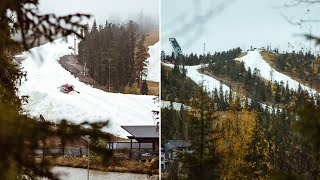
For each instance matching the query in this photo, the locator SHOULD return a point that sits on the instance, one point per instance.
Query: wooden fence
(75, 152)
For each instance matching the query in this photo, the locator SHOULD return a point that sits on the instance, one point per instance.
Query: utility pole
(308, 10)
(87, 138)
(75, 44)
(88, 161)
(238, 85)
(109, 74)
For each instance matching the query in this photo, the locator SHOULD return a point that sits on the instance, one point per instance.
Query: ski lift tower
(176, 47)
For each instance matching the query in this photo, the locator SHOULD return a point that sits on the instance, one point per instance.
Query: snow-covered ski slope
(153, 63)
(90, 105)
(209, 83)
(254, 60)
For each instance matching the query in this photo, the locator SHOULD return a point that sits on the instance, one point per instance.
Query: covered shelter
(144, 134)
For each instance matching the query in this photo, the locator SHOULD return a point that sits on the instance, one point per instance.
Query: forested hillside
(304, 67)
(195, 59)
(232, 132)
(175, 85)
(247, 82)
(114, 54)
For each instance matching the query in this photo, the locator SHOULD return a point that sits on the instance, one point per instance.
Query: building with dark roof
(141, 135)
(170, 148)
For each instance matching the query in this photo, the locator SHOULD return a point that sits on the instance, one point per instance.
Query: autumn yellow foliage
(236, 129)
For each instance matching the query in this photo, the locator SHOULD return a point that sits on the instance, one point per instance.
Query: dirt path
(71, 64)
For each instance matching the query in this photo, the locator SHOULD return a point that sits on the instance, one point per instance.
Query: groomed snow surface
(254, 60)
(44, 78)
(153, 63)
(210, 83)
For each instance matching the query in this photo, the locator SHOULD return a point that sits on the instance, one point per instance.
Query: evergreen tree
(221, 104)
(140, 57)
(230, 98)
(163, 56)
(144, 88)
(112, 55)
(20, 135)
(203, 162)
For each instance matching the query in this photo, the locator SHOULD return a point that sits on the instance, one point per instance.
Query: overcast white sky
(221, 24)
(233, 23)
(120, 10)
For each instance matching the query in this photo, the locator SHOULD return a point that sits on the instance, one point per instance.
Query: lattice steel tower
(176, 47)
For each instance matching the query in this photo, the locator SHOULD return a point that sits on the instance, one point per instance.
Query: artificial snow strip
(254, 60)
(45, 74)
(153, 63)
(209, 83)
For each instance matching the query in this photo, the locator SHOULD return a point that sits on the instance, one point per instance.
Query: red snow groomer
(67, 88)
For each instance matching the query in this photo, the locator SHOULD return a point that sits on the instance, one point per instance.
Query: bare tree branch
(313, 38)
(34, 27)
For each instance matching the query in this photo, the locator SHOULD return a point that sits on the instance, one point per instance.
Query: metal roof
(173, 144)
(142, 131)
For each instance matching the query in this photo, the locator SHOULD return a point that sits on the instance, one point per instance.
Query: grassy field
(243, 54)
(151, 39)
(153, 88)
(270, 58)
(238, 87)
(116, 164)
